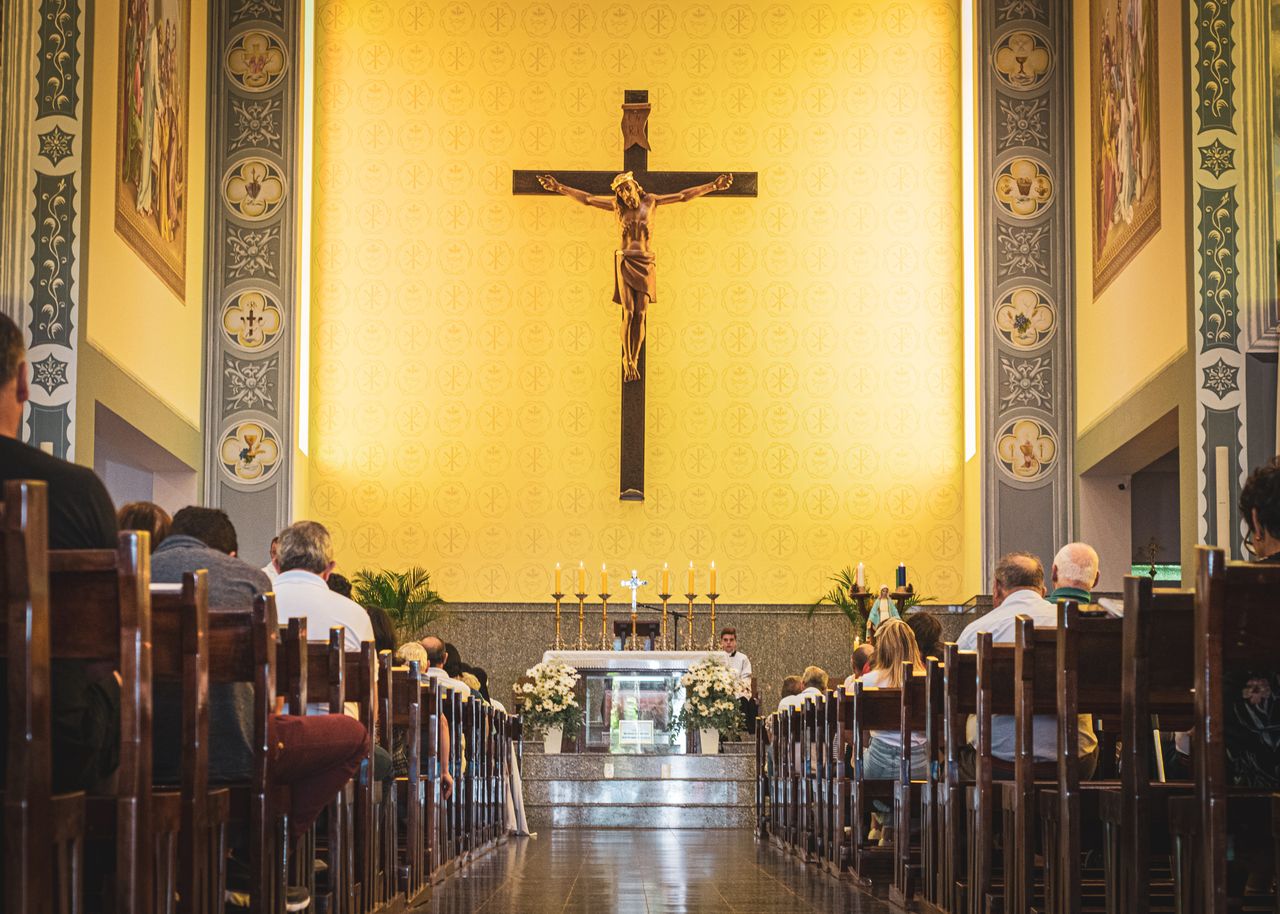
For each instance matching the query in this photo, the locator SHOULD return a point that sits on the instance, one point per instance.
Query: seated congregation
(1059, 756)
(187, 732)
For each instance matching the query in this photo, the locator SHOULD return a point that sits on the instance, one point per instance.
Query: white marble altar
(666, 661)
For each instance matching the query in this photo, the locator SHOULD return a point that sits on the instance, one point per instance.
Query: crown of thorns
(624, 178)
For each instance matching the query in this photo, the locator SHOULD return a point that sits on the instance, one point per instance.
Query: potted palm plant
(406, 596)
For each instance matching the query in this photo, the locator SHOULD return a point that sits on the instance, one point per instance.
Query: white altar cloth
(632, 660)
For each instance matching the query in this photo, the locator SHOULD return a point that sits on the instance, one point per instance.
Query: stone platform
(699, 791)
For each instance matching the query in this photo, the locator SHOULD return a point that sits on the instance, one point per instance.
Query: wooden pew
(43, 832)
(1155, 694)
(1093, 687)
(1035, 694)
(960, 700)
(995, 695)
(1236, 608)
(194, 817)
(100, 611)
(832, 760)
(406, 691)
(258, 803)
(869, 709)
(907, 797)
(387, 819)
(930, 810)
(361, 687)
(435, 812)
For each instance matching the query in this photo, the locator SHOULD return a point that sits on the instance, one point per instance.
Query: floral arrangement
(711, 698)
(549, 700)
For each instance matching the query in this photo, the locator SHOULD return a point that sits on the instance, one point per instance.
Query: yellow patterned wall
(805, 348)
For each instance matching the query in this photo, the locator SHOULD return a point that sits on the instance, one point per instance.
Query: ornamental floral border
(1223, 155)
(45, 101)
(251, 233)
(1026, 315)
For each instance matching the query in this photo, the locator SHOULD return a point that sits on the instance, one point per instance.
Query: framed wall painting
(151, 134)
(1125, 128)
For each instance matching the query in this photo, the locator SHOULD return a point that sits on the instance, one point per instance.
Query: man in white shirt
(305, 558)
(740, 664)
(1018, 590)
(270, 569)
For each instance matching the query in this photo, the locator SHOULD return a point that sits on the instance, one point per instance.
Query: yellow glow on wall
(805, 393)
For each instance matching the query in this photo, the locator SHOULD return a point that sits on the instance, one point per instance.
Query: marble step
(623, 816)
(643, 792)
(591, 766)
(738, 749)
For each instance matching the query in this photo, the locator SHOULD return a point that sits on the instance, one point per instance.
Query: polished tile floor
(643, 872)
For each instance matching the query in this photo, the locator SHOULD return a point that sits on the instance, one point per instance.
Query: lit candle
(713, 576)
(604, 578)
(582, 577)
(902, 575)
(862, 576)
(666, 578)
(690, 590)
(557, 577)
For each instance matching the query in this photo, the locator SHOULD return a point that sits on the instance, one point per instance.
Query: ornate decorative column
(42, 169)
(255, 81)
(1232, 284)
(1026, 274)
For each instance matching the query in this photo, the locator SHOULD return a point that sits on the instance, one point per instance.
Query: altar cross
(634, 583)
(635, 159)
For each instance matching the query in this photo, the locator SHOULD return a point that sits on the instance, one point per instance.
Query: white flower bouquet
(711, 693)
(549, 699)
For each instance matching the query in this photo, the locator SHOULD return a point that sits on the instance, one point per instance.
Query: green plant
(839, 597)
(406, 596)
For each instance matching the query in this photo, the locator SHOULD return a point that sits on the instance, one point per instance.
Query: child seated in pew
(895, 645)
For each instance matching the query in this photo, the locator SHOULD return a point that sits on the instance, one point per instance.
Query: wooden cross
(635, 158)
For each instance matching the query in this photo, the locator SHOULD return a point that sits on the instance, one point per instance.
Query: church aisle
(643, 872)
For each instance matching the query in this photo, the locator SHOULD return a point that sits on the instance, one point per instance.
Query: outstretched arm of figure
(586, 199)
(689, 193)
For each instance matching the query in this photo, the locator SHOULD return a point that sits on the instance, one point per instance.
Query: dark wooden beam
(525, 181)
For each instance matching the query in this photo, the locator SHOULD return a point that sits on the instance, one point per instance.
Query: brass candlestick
(606, 643)
(690, 597)
(582, 620)
(635, 642)
(558, 597)
(665, 644)
(711, 644)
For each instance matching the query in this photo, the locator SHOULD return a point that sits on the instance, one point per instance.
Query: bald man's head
(436, 653)
(1076, 565)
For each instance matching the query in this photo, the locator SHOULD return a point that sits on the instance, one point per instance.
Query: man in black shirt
(86, 709)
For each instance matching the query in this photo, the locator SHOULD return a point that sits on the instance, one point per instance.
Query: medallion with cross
(633, 196)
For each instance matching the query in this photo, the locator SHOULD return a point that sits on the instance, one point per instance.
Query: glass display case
(631, 712)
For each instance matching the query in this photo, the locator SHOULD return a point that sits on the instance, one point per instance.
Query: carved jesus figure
(635, 273)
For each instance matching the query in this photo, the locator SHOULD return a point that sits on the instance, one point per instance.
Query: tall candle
(902, 575)
(582, 577)
(604, 578)
(862, 576)
(666, 578)
(557, 577)
(713, 576)
(690, 590)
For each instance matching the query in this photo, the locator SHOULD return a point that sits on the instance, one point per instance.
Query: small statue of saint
(635, 281)
(883, 609)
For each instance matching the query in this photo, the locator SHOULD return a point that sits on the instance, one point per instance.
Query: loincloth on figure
(637, 270)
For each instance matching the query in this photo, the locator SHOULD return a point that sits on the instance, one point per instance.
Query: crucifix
(634, 583)
(633, 196)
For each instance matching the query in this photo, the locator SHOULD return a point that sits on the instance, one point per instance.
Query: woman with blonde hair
(895, 645)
